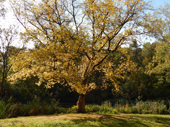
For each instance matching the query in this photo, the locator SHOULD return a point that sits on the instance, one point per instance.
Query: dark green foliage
(2, 109)
(147, 86)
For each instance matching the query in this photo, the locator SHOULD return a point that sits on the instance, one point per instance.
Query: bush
(41, 108)
(147, 107)
(153, 107)
(60, 110)
(105, 108)
(120, 108)
(36, 107)
(2, 109)
(31, 108)
(73, 109)
(13, 110)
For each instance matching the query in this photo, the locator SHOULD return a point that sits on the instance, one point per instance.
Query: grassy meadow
(89, 120)
(141, 114)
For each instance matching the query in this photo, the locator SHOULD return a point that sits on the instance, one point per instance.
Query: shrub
(31, 108)
(141, 107)
(60, 110)
(147, 107)
(73, 109)
(36, 107)
(13, 110)
(114, 111)
(92, 108)
(2, 109)
(106, 108)
(154, 107)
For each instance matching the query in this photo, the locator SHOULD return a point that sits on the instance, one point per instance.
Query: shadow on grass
(158, 120)
(109, 121)
(86, 120)
(120, 121)
(162, 120)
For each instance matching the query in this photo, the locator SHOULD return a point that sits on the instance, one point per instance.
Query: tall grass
(105, 108)
(151, 107)
(141, 107)
(36, 107)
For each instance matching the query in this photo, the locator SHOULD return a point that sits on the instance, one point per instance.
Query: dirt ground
(69, 116)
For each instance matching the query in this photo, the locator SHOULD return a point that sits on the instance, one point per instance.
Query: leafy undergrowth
(8, 110)
(89, 120)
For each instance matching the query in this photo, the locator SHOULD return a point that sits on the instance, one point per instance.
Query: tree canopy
(73, 39)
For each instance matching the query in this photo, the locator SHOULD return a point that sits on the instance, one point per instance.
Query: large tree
(73, 39)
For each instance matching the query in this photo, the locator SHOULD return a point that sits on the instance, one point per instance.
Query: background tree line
(138, 84)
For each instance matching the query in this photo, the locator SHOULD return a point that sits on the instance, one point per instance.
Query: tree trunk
(2, 87)
(81, 103)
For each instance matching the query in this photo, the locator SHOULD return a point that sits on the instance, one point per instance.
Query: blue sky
(157, 3)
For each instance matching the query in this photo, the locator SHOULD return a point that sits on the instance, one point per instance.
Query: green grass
(89, 120)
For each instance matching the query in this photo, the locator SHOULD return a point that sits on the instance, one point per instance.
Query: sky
(157, 3)
(11, 19)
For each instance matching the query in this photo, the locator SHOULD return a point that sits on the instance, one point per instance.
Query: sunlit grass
(88, 120)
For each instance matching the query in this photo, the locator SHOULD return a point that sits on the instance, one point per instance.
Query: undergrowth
(10, 109)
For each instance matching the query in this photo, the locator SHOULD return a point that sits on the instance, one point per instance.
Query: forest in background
(138, 84)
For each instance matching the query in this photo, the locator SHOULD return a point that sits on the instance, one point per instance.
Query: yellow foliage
(73, 40)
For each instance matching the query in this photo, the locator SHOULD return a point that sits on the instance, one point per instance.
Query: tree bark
(2, 89)
(2, 86)
(81, 103)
